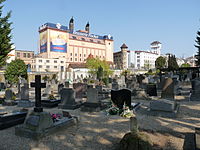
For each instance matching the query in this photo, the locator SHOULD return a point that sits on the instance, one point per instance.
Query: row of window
(26, 55)
(48, 61)
(83, 39)
(47, 67)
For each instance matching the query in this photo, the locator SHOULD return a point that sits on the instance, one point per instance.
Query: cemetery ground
(96, 130)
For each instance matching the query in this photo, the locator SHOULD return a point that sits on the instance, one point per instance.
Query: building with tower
(57, 41)
(121, 58)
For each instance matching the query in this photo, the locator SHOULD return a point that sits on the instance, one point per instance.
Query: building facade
(25, 55)
(58, 41)
(146, 59)
(121, 58)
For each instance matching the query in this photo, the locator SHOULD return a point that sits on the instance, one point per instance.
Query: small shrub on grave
(135, 141)
(51, 97)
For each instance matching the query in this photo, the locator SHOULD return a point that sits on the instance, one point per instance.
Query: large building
(58, 41)
(146, 59)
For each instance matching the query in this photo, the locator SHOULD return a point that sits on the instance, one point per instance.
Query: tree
(14, 70)
(185, 65)
(96, 65)
(160, 62)
(197, 62)
(5, 36)
(172, 63)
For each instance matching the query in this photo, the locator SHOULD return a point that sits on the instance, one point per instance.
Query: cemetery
(81, 113)
(75, 92)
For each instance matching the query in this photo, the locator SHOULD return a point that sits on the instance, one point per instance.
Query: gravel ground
(101, 132)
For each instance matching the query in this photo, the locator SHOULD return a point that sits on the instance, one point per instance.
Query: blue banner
(59, 48)
(43, 48)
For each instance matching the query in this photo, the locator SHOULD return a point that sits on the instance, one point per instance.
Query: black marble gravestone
(121, 97)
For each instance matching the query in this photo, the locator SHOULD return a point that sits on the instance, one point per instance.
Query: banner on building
(58, 42)
(43, 42)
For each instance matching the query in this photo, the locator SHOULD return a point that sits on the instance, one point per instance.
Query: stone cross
(38, 85)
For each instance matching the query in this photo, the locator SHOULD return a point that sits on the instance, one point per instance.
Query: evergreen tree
(5, 35)
(172, 63)
(197, 62)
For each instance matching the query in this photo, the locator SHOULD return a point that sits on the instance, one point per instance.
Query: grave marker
(38, 85)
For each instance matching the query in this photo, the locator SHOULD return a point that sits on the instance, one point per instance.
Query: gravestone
(151, 90)
(39, 124)
(195, 96)
(60, 87)
(67, 84)
(80, 90)
(8, 94)
(2, 86)
(25, 102)
(168, 89)
(164, 108)
(11, 119)
(68, 99)
(115, 85)
(121, 97)
(25, 92)
(92, 103)
(47, 91)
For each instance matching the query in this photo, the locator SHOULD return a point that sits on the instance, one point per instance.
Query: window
(62, 68)
(24, 54)
(75, 59)
(47, 61)
(55, 61)
(70, 59)
(61, 61)
(84, 55)
(40, 60)
(70, 54)
(91, 40)
(75, 54)
(73, 37)
(40, 66)
(80, 59)
(55, 67)
(29, 55)
(18, 54)
(80, 55)
(47, 66)
(83, 39)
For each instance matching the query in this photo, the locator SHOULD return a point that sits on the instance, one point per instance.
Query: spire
(87, 27)
(71, 20)
(124, 46)
(71, 24)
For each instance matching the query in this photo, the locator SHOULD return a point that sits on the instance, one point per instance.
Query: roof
(124, 46)
(77, 65)
(155, 42)
(24, 50)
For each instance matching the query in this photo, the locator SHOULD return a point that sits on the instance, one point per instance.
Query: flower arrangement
(125, 112)
(55, 117)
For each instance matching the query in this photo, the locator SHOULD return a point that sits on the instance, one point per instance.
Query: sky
(136, 23)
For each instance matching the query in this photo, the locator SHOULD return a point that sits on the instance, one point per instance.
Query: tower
(124, 50)
(71, 25)
(87, 27)
(156, 47)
